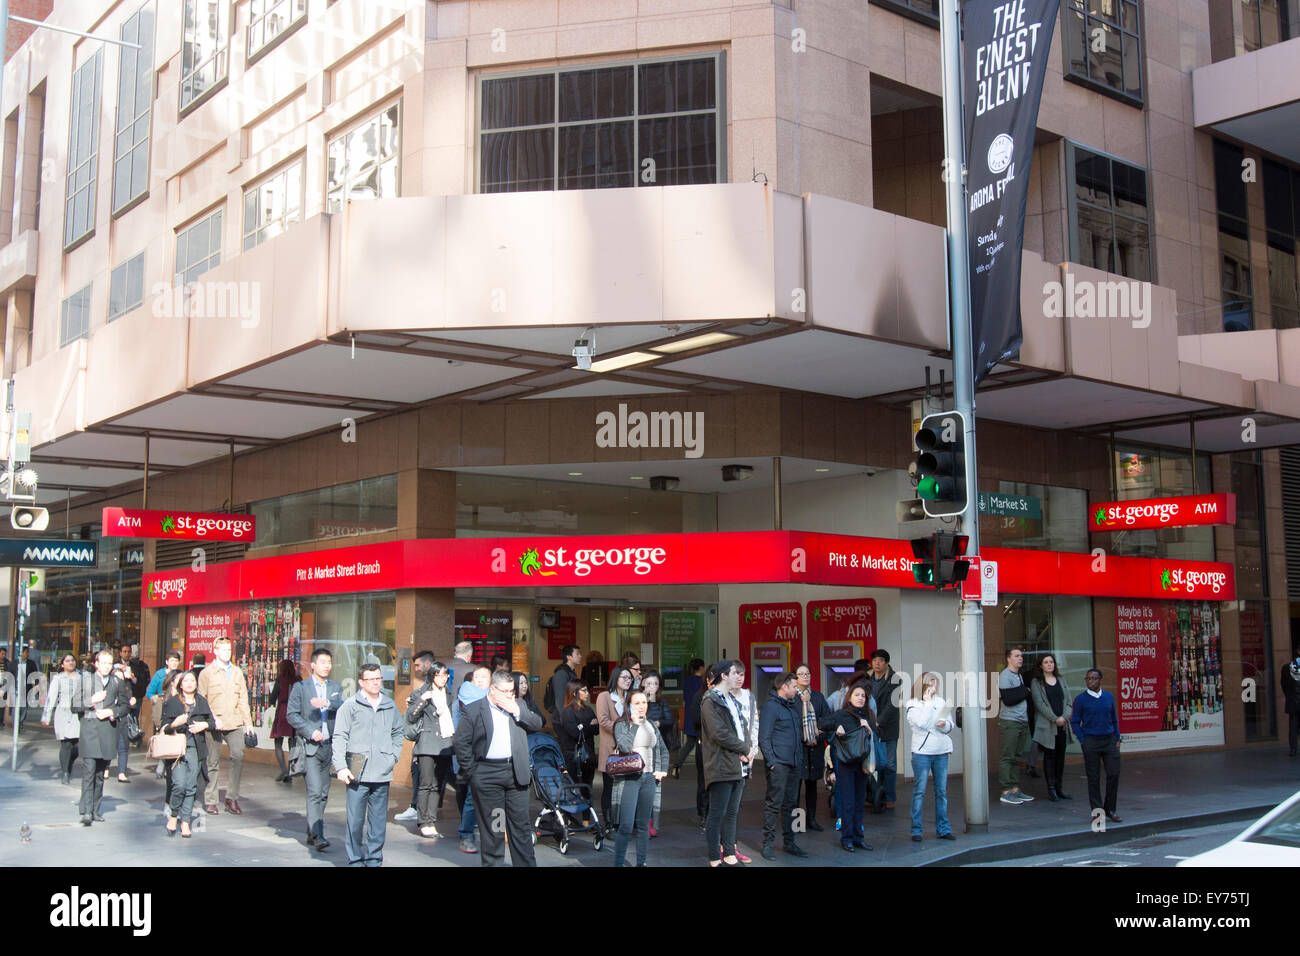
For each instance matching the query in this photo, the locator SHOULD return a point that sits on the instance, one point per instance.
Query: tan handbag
(166, 746)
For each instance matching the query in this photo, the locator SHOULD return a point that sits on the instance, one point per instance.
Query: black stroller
(563, 801)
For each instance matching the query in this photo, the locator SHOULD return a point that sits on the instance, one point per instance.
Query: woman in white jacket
(930, 718)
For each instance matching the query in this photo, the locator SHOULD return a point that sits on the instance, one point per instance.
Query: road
(1162, 850)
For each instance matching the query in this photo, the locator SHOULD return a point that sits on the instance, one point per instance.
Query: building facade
(330, 264)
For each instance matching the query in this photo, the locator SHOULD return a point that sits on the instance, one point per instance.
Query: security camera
(584, 347)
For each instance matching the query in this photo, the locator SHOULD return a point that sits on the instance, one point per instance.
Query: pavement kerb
(1083, 839)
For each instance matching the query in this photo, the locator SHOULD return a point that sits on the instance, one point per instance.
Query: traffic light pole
(970, 617)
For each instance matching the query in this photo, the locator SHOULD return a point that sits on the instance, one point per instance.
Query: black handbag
(582, 753)
(297, 757)
(133, 732)
(250, 739)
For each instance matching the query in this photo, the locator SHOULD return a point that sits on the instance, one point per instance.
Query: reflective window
(1264, 22)
(274, 204)
(205, 49)
(74, 320)
(134, 99)
(1282, 221)
(83, 152)
(198, 248)
(652, 123)
(267, 19)
(126, 287)
(1022, 515)
(1235, 284)
(1112, 232)
(1145, 472)
(362, 162)
(1103, 46)
(328, 514)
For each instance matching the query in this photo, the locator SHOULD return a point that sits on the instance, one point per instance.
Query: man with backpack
(553, 701)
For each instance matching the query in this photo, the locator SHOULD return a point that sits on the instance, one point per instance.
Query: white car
(1273, 840)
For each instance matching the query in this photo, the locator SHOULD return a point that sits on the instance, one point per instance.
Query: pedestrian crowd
(476, 728)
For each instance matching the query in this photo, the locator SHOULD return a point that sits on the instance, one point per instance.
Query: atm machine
(767, 660)
(837, 659)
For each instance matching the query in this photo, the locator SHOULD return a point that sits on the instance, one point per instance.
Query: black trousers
(1295, 729)
(1099, 752)
(67, 754)
(92, 784)
(502, 805)
(779, 802)
(1054, 761)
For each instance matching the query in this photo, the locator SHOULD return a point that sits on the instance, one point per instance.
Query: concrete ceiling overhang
(1253, 98)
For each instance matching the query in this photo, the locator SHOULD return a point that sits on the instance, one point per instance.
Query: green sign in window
(1010, 506)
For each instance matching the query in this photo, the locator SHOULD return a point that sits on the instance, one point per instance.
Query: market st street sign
(183, 525)
(48, 553)
(1178, 512)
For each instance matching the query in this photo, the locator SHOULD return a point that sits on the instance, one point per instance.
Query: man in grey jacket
(313, 709)
(368, 735)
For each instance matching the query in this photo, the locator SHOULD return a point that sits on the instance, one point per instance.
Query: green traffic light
(928, 488)
(923, 573)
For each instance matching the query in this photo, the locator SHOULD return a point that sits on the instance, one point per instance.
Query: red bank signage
(1164, 512)
(728, 557)
(186, 525)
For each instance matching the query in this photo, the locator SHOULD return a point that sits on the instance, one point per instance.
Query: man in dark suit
(313, 705)
(492, 753)
(109, 700)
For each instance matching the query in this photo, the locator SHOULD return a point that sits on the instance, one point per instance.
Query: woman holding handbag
(576, 726)
(610, 706)
(187, 713)
(665, 721)
(64, 702)
(855, 733)
(637, 736)
(429, 723)
(931, 721)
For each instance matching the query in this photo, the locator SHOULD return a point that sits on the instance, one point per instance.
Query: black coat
(887, 715)
(567, 731)
(474, 736)
(814, 758)
(99, 737)
(173, 707)
(780, 736)
(662, 716)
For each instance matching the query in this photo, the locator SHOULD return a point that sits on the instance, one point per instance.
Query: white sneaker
(407, 815)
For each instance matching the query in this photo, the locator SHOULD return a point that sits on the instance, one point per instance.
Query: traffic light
(941, 464)
(939, 559)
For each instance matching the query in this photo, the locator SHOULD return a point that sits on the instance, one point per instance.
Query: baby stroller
(563, 801)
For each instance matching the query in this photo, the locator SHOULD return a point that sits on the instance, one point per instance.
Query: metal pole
(76, 33)
(19, 669)
(970, 616)
(1191, 424)
(776, 493)
(144, 502)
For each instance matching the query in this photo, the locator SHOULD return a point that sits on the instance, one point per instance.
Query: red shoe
(653, 832)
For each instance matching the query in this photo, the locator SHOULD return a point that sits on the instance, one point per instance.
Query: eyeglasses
(368, 679)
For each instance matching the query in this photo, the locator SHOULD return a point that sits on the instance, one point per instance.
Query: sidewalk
(1156, 793)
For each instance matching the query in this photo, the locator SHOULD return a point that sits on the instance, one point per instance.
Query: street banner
(1005, 49)
(1170, 684)
(181, 525)
(1181, 512)
(48, 553)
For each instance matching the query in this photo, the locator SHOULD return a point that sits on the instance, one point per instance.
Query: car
(1273, 840)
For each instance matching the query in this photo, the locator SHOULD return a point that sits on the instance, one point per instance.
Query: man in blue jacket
(780, 739)
(1096, 727)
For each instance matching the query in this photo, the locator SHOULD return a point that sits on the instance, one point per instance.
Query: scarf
(446, 729)
(737, 716)
(809, 719)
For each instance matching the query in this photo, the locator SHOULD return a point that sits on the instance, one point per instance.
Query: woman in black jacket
(524, 694)
(429, 714)
(187, 713)
(812, 711)
(578, 726)
(850, 774)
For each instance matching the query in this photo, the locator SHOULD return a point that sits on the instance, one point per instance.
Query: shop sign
(184, 525)
(851, 620)
(1010, 506)
(48, 553)
(558, 637)
(204, 624)
(681, 635)
(1181, 512)
(1170, 683)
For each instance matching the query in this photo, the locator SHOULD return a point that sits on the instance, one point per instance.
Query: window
(134, 99)
(1022, 515)
(198, 248)
(272, 205)
(924, 11)
(1109, 228)
(268, 19)
(654, 123)
(74, 323)
(83, 152)
(204, 50)
(1142, 471)
(1234, 246)
(1282, 222)
(126, 287)
(1103, 48)
(1263, 23)
(362, 163)
(326, 514)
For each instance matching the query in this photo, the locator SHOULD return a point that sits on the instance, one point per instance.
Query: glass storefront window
(1257, 666)
(1061, 626)
(1145, 472)
(1056, 519)
(504, 504)
(340, 511)
(356, 629)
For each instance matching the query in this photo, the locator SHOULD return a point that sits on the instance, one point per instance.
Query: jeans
(367, 823)
(779, 802)
(724, 811)
(634, 817)
(606, 797)
(318, 776)
(851, 782)
(124, 745)
(923, 765)
(1015, 734)
(888, 767)
(1099, 751)
(465, 804)
(185, 783)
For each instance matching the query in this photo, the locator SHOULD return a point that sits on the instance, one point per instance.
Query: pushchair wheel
(599, 843)
(564, 846)
(535, 836)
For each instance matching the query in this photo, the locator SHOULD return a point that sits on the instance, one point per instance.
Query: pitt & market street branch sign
(1179, 512)
(178, 525)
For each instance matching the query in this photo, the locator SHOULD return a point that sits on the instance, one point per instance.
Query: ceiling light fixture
(695, 342)
(821, 469)
(575, 474)
(622, 361)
